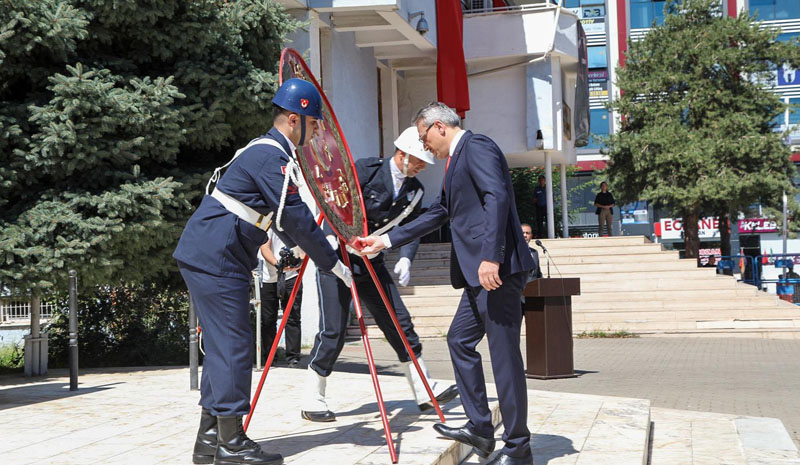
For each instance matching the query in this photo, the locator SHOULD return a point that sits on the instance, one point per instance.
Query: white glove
(333, 241)
(343, 273)
(298, 252)
(403, 271)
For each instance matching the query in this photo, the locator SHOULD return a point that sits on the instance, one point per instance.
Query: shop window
(794, 112)
(644, 12)
(600, 125)
(597, 57)
(775, 9)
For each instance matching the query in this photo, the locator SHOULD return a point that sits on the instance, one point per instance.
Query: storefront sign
(598, 89)
(598, 75)
(672, 228)
(757, 226)
(787, 76)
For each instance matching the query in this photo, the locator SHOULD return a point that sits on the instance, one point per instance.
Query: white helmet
(409, 143)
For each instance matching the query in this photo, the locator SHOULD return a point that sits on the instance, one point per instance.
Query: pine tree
(697, 131)
(112, 114)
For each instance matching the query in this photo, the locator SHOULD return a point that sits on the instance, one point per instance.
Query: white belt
(262, 222)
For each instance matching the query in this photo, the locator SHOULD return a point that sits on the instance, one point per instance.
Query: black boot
(234, 447)
(206, 444)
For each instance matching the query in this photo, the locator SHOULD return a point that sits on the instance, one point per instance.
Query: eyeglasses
(425, 134)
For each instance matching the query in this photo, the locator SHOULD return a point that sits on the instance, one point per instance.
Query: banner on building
(672, 228)
(757, 226)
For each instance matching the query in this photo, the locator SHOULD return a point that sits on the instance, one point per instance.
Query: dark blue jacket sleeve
(410, 250)
(486, 168)
(299, 225)
(430, 221)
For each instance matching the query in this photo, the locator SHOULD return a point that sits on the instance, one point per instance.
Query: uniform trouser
(495, 314)
(541, 221)
(604, 217)
(335, 298)
(223, 311)
(269, 317)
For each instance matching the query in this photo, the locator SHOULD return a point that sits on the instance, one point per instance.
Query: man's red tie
(446, 166)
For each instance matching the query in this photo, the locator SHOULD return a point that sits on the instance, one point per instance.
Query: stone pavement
(753, 377)
(148, 416)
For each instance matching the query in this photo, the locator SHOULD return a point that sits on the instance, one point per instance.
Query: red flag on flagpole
(452, 85)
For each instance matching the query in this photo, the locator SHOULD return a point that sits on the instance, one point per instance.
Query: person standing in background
(604, 202)
(277, 284)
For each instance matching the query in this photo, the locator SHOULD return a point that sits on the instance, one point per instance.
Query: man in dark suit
(490, 260)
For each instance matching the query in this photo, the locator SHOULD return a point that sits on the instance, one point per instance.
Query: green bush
(124, 325)
(11, 359)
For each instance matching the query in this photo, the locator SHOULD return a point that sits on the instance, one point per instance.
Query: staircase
(627, 283)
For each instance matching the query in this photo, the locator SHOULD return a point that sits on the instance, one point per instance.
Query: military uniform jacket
(375, 179)
(218, 242)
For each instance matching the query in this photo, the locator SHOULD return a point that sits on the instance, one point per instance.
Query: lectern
(548, 327)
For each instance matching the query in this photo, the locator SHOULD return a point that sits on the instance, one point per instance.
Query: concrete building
(376, 60)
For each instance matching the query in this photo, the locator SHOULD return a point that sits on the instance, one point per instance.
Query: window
(597, 57)
(775, 9)
(644, 12)
(794, 112)
(600, 125)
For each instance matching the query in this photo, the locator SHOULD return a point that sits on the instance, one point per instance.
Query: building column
(548, 175)
(564, 196)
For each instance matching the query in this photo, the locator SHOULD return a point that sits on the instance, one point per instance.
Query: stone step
(584, 269)
(683, 315)
(594, 242)
(695, 438)
(614, 260)
(584, 430)
(656, 284)
(757, 325)
(667, 295)
(585, 304)
(618, 275)
(641, 249)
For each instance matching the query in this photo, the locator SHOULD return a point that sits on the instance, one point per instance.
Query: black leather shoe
(293, 363)
(235, 448)
(205, 446)
(319, 417)
(443, 398)
(503, 459)
(481, 445)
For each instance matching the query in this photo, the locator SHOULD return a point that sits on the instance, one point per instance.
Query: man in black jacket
(391, 194)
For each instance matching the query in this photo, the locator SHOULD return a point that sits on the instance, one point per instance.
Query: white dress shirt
(398, 178)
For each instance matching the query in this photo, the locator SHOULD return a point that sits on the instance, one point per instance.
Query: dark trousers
(541, 221)
(223, 311)
(495, 314)
(335, 298)
(269, 317)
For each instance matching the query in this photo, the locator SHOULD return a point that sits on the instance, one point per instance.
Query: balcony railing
(18, 310)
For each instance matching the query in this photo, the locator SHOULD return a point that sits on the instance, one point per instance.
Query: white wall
(353, 83)
(413, 92)
(498, 108)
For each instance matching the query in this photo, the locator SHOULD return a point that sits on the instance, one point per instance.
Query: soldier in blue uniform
(391, 195)
(217, 251)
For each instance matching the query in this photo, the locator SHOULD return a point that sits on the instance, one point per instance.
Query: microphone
(539, 243)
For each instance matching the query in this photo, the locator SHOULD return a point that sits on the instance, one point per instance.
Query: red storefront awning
(591, 165)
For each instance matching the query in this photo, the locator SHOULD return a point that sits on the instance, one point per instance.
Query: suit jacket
(380, 204)
(536, 272)
(220, 243)
(477, 198)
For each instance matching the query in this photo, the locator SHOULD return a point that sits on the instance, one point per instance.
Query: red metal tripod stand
(367, 348)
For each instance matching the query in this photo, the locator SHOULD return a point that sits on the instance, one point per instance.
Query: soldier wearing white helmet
(392, 196)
